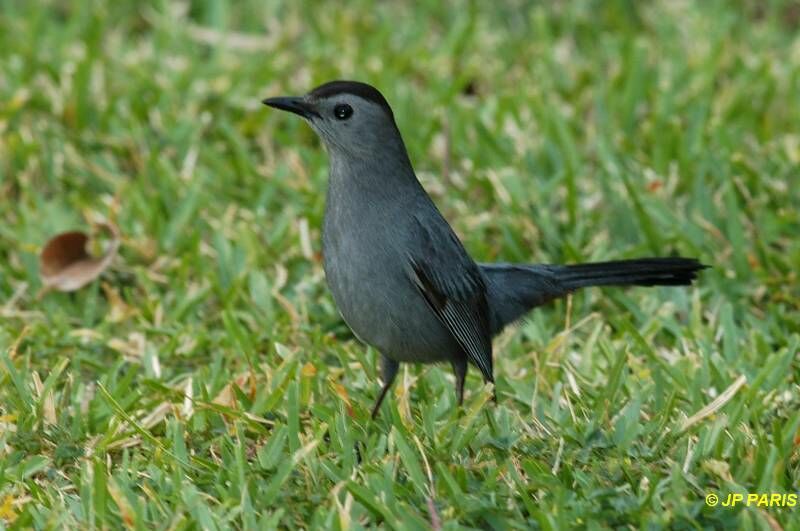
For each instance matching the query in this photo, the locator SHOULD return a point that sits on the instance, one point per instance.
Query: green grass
(211, 383)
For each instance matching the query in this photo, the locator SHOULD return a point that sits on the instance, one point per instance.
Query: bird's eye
(342, 111)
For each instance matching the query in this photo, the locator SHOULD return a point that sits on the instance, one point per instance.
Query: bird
(398, 273)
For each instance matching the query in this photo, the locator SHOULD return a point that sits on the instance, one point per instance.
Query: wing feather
(455, 290)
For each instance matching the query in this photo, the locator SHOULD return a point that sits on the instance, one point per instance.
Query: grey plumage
(399, 275)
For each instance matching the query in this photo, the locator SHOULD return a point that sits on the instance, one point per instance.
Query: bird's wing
(454, 288)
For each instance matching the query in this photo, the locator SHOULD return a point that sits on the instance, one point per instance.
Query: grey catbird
(399, 274)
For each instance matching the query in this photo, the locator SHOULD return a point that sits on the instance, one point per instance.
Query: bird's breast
(365, 268)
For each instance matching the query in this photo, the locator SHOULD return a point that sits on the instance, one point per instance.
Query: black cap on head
(362, 90)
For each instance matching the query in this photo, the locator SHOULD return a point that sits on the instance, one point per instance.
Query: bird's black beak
(292, 104)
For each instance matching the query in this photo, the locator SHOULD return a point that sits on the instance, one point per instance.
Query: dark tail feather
(513, 290)
(639, 272)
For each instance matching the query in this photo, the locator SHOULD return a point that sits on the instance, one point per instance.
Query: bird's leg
(388, 372)
(460, 370)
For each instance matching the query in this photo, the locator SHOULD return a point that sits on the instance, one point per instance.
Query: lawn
(206, 380)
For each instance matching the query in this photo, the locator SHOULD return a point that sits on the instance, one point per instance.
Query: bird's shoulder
(437, 250)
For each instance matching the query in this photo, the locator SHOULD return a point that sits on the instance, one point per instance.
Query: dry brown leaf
(716, 404)
(48, 405)
(119, 309)
(341, 392)
(133, 348)
(308, 370)
(65, 264)
(243, 379)
(188, 395)
(225, 397)
(125, 508)
(156, 415)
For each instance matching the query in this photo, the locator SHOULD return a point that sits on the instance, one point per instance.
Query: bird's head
(353, 119)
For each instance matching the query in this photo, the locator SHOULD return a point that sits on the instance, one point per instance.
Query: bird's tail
(673, 271)
(515, 289)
